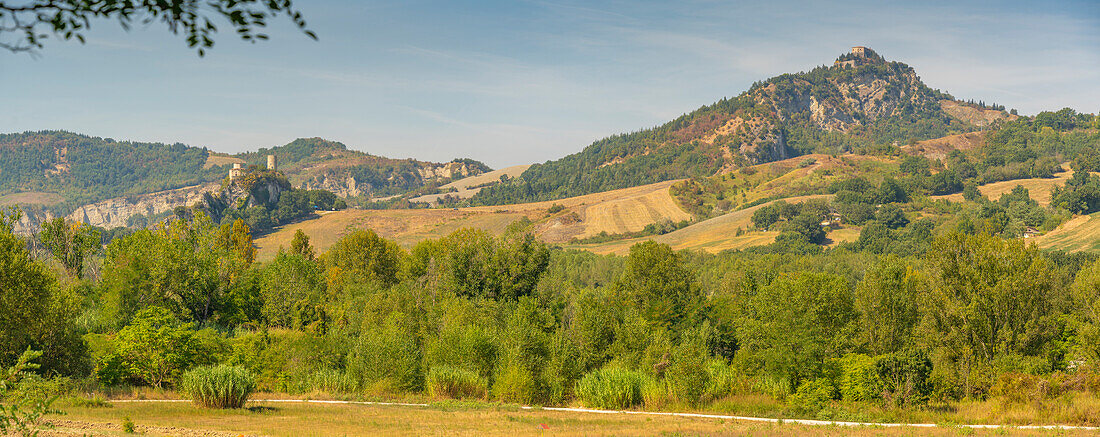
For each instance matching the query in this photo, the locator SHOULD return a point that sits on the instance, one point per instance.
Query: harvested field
(1038, 188)
(31, 198)
(1080, 234)
(468, 187)
(714, 235)
(618, 211)
(216, 160)
(405, 226)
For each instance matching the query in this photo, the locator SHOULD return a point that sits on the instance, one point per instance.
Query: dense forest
(909, 322)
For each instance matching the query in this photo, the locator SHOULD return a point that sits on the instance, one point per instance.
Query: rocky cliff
(113, 213)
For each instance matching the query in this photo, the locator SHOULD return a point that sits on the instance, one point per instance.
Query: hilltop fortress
(238, 169)
(859, 55)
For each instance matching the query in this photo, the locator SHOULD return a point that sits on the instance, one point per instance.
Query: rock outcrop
(113, 213)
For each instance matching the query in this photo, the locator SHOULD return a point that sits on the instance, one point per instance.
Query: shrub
(859, 378)
(515, 383)
(1022, 388)
(905, 377)
(723, 379)
(611, 388)
(155, 348)
(388, 357)
(687, 375)
(812, 396)
(218, 386)
(446, 381)
(654, 392)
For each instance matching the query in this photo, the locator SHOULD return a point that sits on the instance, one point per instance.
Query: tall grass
(218, 386)
(611, 388)
(331, 381)
(451, 382)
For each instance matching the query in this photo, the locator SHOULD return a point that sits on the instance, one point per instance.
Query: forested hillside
(83, 169)
(865, 107)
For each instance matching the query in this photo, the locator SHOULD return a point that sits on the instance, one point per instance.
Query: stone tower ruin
(272, 162)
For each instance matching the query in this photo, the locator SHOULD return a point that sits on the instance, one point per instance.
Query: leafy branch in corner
(24, 25)
(21, 416)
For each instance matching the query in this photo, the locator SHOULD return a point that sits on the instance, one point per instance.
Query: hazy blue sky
(510, 82)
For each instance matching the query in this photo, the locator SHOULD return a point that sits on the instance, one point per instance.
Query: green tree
(293, 289)
(184, 267)
(887, 300)
(364, 254)
(70, 242)
(658, 283)
(236, 237)
(300, 246)
(26, 287)
(991, 297)
(1086, 297)
(35, 311)
(793, 325)
(472, 263)
(156, 348)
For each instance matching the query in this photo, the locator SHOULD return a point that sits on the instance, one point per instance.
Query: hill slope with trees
(84, 169)
(861, 104)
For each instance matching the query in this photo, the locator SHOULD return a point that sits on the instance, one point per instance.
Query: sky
(515, 82)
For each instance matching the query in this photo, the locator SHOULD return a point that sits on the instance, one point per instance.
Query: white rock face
(113, 213)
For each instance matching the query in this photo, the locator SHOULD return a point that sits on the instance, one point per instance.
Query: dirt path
(64, 424)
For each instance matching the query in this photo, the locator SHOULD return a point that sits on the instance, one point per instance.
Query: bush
(905, 377)
(859, 378)
(446, 381)
(724, 379)
(218, 386)
(687, 375)
(612, 388)
(812, 396)
(388, 357)
(654, 393)
(515, 383)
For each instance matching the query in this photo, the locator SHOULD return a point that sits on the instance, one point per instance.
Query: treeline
(470, 315)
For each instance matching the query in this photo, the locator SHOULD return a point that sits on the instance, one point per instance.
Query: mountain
(861, 103)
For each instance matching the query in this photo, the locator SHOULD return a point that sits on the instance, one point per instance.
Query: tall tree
(70, 242)
(887, 300)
